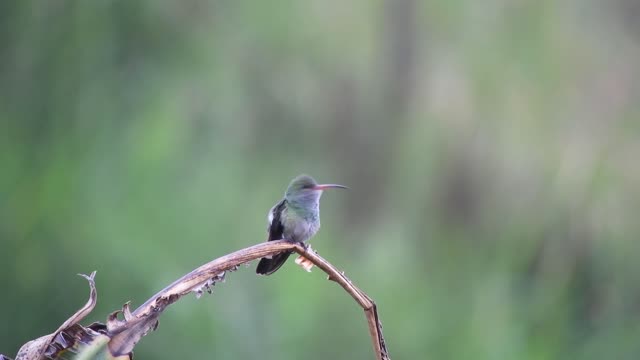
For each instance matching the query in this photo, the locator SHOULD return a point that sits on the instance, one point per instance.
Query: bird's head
(305, 191)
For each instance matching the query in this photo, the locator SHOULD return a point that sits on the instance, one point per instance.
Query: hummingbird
(295, 218)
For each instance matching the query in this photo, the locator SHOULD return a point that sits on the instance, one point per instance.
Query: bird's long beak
(329, 186)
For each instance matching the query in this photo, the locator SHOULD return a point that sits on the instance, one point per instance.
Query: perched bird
(296, 218)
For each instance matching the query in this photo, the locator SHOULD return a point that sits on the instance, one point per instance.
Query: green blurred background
(491, 148)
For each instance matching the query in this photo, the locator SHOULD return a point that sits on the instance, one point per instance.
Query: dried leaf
(36, 349)
(89, 343)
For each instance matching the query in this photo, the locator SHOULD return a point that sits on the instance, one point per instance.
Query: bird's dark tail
(268, 266)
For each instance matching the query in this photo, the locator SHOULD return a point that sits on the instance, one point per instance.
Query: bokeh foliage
(491, 148)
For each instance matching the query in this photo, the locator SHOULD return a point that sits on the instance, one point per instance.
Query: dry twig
(208, 274)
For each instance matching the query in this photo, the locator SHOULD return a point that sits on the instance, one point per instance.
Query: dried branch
(369, 306)
(208, 274)
(118, 337)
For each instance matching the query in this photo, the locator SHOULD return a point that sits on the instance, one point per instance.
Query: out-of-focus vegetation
(491, 148)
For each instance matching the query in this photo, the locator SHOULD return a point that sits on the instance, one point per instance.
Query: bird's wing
(269, 265)
(276, 227)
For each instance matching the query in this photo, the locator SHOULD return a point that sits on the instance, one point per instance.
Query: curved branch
(126, 333)
(369, 306)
